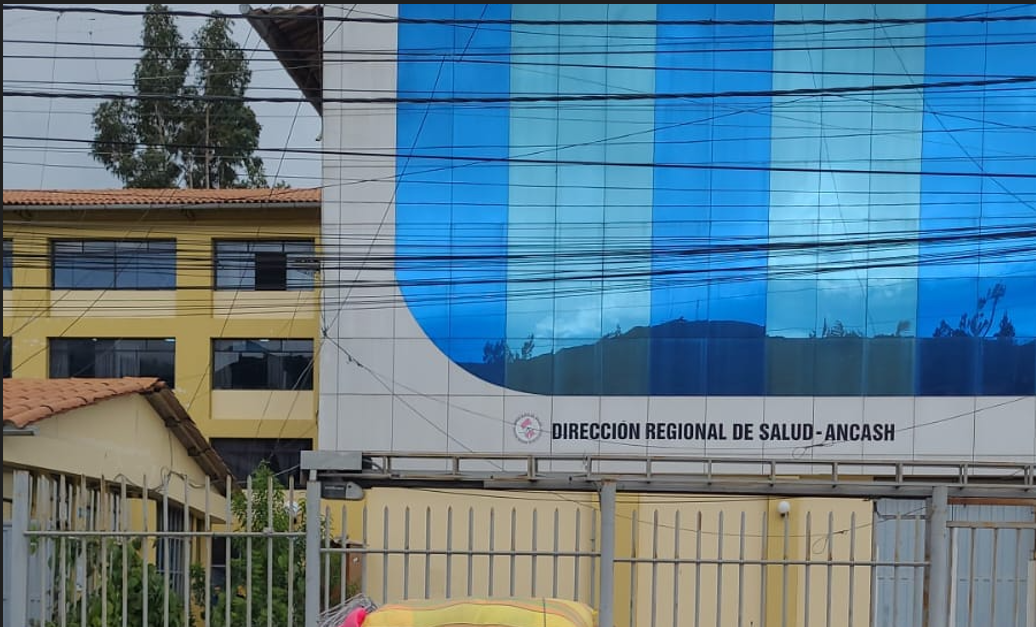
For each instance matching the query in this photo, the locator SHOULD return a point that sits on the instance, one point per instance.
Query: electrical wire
(546, 98)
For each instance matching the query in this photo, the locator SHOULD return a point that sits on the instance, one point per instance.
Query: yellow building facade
(214, 289)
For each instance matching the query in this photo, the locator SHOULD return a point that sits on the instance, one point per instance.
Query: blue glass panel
(947, 366)
(478, 205)
(737, 366)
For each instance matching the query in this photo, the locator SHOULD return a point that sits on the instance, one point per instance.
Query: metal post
(19, 550)
(938, 592)
(608, 511)
(312, 550)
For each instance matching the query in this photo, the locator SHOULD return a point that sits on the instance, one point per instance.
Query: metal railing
(115, 553)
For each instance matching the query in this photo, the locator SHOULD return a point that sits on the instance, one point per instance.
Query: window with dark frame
(169, 550)
(8, 264)
(265, 265)
(262, 364)
(113, 358)
(113, 264)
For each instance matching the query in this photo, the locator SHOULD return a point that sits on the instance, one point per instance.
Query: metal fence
(170, 552)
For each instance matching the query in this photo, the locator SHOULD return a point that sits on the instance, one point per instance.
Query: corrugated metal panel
(991, 566)
(899, 527)
(990, 587)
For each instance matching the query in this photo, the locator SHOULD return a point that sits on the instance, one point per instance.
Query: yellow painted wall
(120, 436)
(688, 527)
(194, 314)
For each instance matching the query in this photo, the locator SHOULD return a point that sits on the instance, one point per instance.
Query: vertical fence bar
(895, 566)
(384, 554)
(938, 589)
(593, 561)
(577, 561)
(81, 518)
(784, 570)
(325, 545)
(163, 530)
(920, 578)
(45, 549)
(514, 546)
(365, 540)
(228, 586)
(471, 548)
(249, 526)
(554, 576)
(186, 554)
(719, 569)
(992, 578)
(741, 571)
(534, 561)
(492, 548)
(806, 570)
(874, 557)
(312, 551)
(1019, 591)
(270, 528)
(427, 551)
(697, 570)
(654, 567)
(634, 565)
(828, 567)
(145, 550)
(607, 498)
(208, 551)
(124, 522)
(406, 553)
(343, 570)
(676, 568)
(291, 551)
(852, 570)
(449, 552)
(19, 556)
(972, 533)
(102, 496)
(763, 568)
(63, 552)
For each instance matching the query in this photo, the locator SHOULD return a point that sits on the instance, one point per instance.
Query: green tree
(226, 129)
(171, 137)
(252, 512)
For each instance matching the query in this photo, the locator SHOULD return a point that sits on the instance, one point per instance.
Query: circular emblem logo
(527, 428)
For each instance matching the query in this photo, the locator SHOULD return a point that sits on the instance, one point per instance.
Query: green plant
(252, 512)
(133, 591)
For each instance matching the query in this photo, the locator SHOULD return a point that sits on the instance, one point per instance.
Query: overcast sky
(73, 64)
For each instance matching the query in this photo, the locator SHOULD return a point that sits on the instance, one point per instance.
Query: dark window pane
(7, 357)
(103, 264)
(678, 365)
(624, 367)
(890, 366)
(790, 366)
(262, 365)
(8, 264)
(946, 366)
(736, 366)
(243, 455)
(1007, 366)
(113, 358)
(274, 265)
(271, 271)
(577, 369)
(839, 366)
